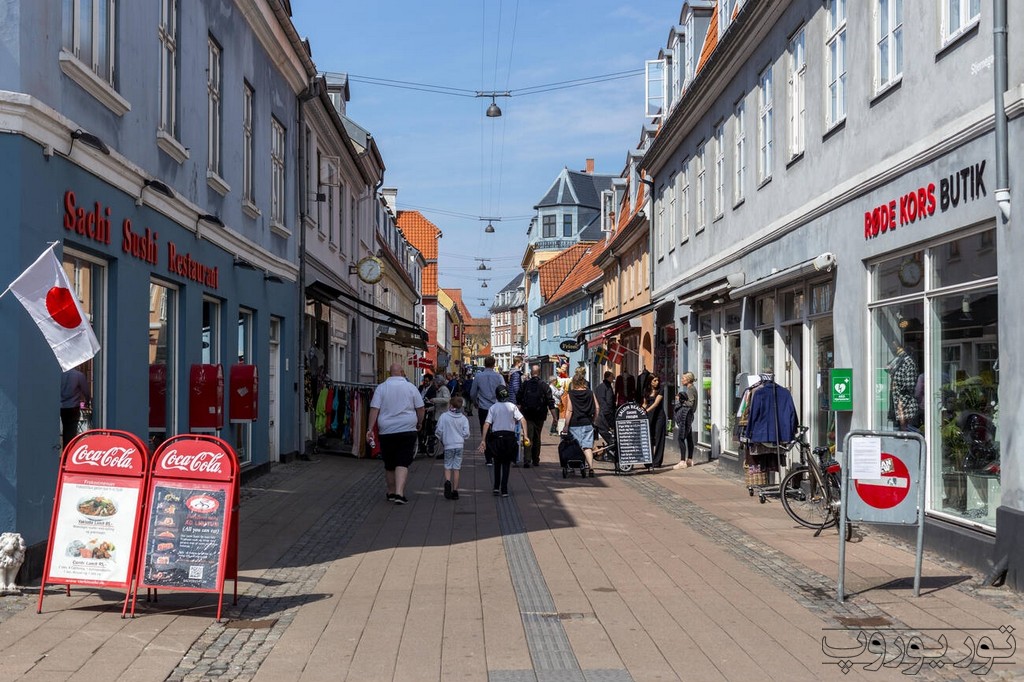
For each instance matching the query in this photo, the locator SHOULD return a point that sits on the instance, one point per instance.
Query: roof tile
(586, 270)
(553, 272)
(710, 40)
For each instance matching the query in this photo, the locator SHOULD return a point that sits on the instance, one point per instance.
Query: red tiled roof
(423, 235)
(420, 232)
(553, 272)
(585, 271)
(710, 40)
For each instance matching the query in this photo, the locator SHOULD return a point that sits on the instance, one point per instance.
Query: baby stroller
(571, 457)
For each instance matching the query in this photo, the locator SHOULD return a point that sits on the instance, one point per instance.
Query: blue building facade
(155, 143)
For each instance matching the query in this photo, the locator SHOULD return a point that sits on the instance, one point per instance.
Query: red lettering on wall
(140, 246)
(94, 224)
(185, 266)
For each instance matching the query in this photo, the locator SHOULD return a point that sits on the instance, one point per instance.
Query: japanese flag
(45, 292)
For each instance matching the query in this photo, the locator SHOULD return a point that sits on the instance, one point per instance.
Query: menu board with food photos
(94, 530)
(186, 535)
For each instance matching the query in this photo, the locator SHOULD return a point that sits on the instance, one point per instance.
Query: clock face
(910, 272)
(370, 270)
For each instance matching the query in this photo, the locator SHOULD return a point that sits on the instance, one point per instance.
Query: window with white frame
(655, 87)
(167, 32)
(764, 126)
(248, 142)
(797, 93)
(688, 51)
(725, 10)
(740, 153)
(958, 16)
(684, 199)
(835, 56)
(659, 224)
(673, 189)
(277, 150)
(213, 112)
(678, 47)
(719, 194)
(701, 213)
(88, 33)
(889, 48)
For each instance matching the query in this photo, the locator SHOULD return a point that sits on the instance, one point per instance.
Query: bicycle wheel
(806, 501)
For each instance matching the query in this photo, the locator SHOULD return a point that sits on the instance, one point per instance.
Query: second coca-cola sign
(193, 459)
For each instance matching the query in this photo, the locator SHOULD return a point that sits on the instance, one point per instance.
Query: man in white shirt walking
(396, 410)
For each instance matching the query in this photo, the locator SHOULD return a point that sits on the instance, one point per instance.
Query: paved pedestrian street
(675, 575)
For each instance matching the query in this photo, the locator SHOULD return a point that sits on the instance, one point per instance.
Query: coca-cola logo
(112, 458)
(204, 462)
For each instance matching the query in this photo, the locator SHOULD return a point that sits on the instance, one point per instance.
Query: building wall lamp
(243, 264)
(211, 218)
(88, 139)
(156, 186)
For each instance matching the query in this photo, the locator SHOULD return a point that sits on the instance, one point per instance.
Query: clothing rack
(341, 416)
(767, 421)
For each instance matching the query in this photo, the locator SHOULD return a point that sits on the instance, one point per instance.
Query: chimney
(590, 166)
(390, 195)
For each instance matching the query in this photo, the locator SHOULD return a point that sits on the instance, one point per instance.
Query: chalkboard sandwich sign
(190, 538)
(632, 437)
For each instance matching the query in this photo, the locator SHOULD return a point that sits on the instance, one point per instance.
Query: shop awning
(404, 337)
(824, 262)
(322, 291)
(388, 318)
(625, 317)
(716, 289)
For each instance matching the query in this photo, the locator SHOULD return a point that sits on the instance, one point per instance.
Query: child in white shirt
(452, 430)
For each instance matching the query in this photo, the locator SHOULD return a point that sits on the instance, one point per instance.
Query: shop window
(936, 368)
(163, 324)
(705, 383)
(824, 431)
(734, 368)
(793, 305)
(976, 259)
(88, 279)
(766, 351)
(966, 391)
(821, 298)
(243, 431)
(211, 331)
(899, 276)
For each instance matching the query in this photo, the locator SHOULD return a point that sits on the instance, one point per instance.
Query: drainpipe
(1001, 84)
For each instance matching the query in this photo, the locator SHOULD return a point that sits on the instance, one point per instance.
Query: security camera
(825, 261)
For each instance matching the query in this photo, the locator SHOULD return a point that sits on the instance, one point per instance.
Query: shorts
(397, 449)
(453, 458)
(584, 435)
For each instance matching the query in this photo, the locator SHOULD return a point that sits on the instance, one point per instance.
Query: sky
(450, 161)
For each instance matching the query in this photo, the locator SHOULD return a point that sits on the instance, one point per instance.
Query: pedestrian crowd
(431, 419)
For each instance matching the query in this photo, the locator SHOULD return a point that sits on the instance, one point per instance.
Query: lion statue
(12, 556)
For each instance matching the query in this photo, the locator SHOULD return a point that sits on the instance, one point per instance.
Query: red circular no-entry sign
(889, 490)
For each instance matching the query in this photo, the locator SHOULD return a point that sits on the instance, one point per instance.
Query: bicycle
(811, 493)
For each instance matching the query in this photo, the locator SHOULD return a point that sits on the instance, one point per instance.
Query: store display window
(163, 318)
(936, 367)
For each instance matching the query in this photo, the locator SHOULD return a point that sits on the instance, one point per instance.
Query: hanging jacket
(772, 415)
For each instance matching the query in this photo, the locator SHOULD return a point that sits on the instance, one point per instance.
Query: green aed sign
(841, 381)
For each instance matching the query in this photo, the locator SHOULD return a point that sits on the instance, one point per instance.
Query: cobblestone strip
(811, 589)
(550, 649)
(236, 653)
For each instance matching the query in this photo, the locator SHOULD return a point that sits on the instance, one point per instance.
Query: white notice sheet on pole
(865, 458)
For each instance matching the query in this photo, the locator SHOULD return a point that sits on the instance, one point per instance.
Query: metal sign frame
(891, 441)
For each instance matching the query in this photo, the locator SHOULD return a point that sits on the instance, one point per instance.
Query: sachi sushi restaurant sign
(97, 511)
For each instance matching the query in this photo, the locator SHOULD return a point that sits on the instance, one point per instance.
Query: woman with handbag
(683, 417)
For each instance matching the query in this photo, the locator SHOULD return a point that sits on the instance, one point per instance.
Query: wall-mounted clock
(370, 269)
(911, 272)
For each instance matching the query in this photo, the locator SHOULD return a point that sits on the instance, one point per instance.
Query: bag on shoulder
(531, 398)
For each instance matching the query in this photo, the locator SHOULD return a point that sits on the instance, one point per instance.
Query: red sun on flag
(60, 303)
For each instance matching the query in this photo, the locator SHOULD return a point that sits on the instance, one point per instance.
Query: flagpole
(52, 245)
